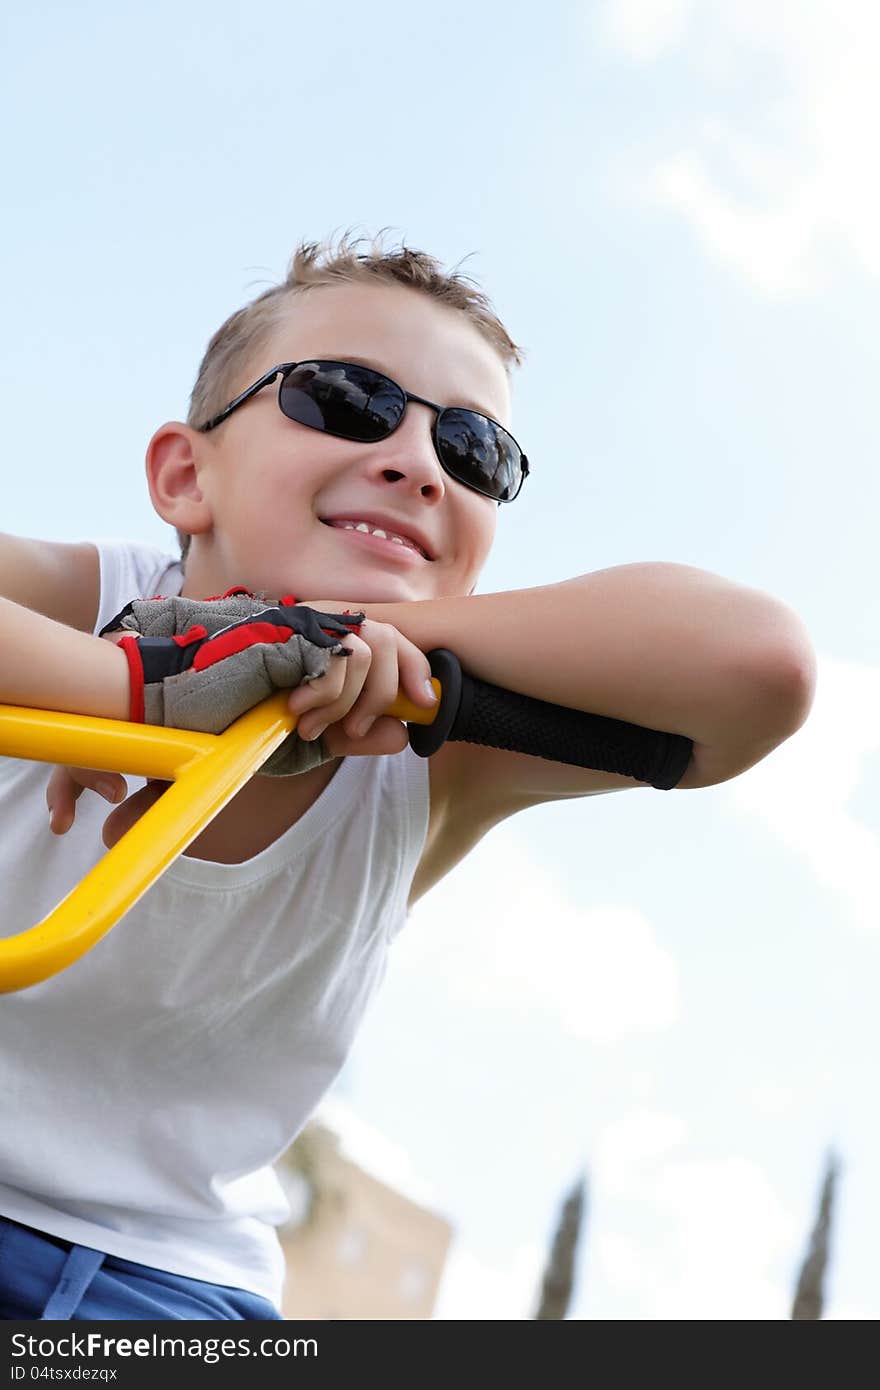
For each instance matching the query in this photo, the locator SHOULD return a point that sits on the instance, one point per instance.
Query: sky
(673, 206)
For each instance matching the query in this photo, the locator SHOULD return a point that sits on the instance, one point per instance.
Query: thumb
(125, 816)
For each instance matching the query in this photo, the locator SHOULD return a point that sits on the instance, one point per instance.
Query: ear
(175, 457)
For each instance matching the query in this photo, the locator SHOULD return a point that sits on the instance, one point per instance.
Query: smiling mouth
(383, 537)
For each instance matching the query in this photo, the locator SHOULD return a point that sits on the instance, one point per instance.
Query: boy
(163, 1073)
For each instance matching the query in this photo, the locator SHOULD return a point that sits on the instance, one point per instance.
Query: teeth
(382, 535)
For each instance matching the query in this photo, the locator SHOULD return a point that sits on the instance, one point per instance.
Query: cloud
(773, 1099)
(374, 1152)
(849, 1312)
(728, 1220)
(686, 1237)
(803, 793)
(473, 1288)
(644, 28)
(774, 171)
(503, 935)
(671, 1235)
(635, 1141)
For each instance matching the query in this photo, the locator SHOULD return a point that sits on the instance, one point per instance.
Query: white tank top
(147, 1089)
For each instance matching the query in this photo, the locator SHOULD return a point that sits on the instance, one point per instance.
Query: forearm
(660, 645)
(46, 665)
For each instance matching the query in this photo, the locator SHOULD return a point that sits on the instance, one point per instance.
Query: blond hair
(317, 263)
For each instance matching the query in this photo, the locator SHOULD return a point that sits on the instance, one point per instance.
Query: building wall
(366, 1251)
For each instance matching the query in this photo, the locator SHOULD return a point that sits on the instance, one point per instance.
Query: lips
(391, 525)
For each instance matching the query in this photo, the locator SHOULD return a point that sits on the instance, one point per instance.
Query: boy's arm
(56, 578)
(48, 665)
(665, 646)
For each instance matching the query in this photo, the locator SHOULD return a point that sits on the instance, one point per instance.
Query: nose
(408, 457)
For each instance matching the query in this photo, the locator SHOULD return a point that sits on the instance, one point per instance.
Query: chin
(378, 590)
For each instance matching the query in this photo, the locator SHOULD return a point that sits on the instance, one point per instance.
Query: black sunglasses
(354, 402)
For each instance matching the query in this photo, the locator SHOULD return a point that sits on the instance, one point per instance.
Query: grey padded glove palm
(199, 664)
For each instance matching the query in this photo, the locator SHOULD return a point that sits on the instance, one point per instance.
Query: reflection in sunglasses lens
(479, 453)
(349, 401)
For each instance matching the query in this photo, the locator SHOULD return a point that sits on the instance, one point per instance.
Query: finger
(61, 794)
(125, 816)
(66, 785)
(71, 782)
(324, 690)
(405, 670)
(330, 711)
(415, 673)
(386, 736)
(379, 691)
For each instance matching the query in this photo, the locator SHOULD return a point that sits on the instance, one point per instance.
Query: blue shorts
(44, 1277)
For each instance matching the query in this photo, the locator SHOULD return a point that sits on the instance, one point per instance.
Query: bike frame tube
(205, 772)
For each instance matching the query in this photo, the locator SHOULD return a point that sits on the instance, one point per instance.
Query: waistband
(47, 1278)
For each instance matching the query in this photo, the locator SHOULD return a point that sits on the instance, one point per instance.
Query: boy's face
(269, 484)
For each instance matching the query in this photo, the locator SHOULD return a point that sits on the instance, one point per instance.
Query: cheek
(474, 530)
(312, 467)
(280, 482)
(483, 521)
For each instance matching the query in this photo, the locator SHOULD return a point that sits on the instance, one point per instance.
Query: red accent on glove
(240, 589)
(237, 640)
(136, 675)
(195, 634)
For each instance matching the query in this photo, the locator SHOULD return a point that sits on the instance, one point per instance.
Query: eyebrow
(377, 367)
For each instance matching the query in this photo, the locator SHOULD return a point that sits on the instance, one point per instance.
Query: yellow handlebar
(205, 770)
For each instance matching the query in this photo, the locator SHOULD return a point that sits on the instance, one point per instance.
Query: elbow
(770, 698)
(787, 674)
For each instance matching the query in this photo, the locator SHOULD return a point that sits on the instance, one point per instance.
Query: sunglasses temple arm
(473, 711)
(240, 400)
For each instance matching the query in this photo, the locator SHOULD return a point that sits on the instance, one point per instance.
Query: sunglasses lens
(354, 402)
(342, 398)
(480, 453)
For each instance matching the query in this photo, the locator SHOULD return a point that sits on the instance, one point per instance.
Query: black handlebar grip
(473, 711)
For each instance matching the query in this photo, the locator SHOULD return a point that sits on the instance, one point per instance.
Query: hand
(354, 690)
(347, 702)
(67, 784)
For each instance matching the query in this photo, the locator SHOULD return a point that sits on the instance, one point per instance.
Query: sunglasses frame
(440, 410)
